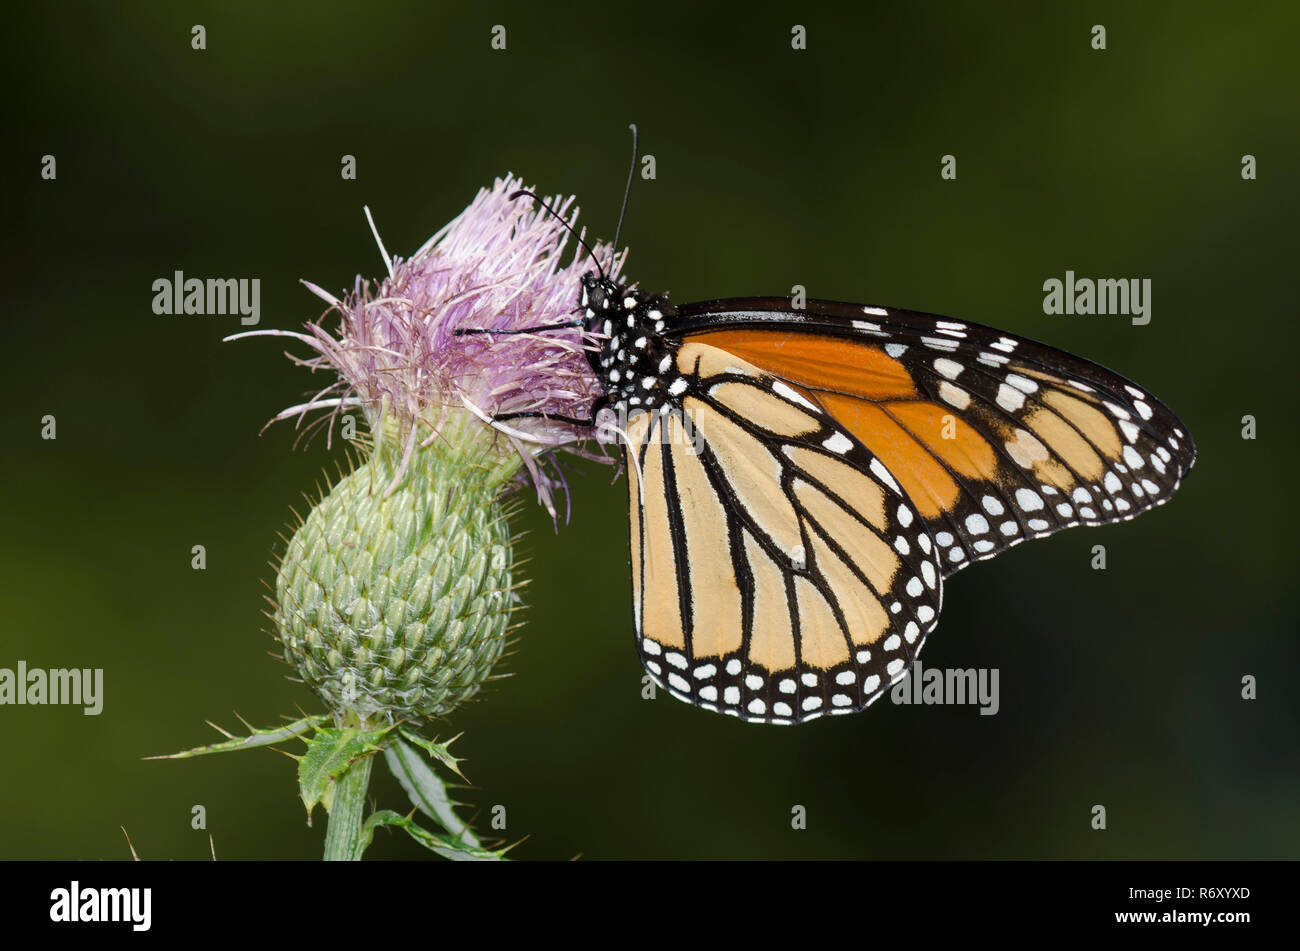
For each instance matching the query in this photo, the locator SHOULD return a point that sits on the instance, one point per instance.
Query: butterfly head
(601, 297)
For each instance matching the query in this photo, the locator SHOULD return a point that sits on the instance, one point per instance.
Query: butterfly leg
(565, 325)
(602, 419)
(596, 407)
(554, 417)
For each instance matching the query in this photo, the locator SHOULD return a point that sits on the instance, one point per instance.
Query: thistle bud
(394, 605)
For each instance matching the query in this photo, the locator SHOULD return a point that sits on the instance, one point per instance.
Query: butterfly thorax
(635, 360)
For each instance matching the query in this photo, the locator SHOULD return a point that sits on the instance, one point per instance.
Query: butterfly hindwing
(995, 438)
(779, 571)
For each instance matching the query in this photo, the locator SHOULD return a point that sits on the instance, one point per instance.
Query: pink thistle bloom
(498, 265)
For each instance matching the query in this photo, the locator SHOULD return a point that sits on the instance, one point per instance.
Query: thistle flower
(498, 266)
(395, 593)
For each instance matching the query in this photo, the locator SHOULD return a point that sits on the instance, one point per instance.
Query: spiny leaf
(443, 845)
(328, 754)
(297, 729)
(427, 790)
(439, 751)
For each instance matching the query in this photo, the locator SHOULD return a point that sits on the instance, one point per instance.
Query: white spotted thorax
(635, 360)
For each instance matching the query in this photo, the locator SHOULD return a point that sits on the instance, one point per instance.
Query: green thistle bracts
(397, 606)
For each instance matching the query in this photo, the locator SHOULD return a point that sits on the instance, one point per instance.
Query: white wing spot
(791, 394)
(954, 395)
(838, 443)
(1023, 384)
(883, 475)
(1010, 399)
(950, 369)
(1028, 500)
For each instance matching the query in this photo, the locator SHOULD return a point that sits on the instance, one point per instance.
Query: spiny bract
(398, 605)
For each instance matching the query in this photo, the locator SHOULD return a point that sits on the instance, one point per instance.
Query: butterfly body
(633, 349)
(802, 481)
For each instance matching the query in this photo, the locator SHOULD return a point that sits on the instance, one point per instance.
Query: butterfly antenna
(627, 191)
(568, 227)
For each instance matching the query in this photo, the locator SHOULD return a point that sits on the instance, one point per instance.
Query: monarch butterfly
(803, 480)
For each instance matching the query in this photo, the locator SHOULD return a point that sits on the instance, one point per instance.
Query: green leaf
(447, 847)
(328, 755)
(439, 751)
(427, 790)
(295, 730)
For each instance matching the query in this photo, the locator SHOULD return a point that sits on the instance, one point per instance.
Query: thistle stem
(343, 839)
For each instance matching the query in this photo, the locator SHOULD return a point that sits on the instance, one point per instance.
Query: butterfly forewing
(995, 438)
(779, 571)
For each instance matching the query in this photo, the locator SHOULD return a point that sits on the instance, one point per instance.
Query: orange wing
(994, 438)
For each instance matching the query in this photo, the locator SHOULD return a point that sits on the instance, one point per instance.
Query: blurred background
(775, 167)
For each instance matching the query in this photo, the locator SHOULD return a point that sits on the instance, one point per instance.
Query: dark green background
(774, 168)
